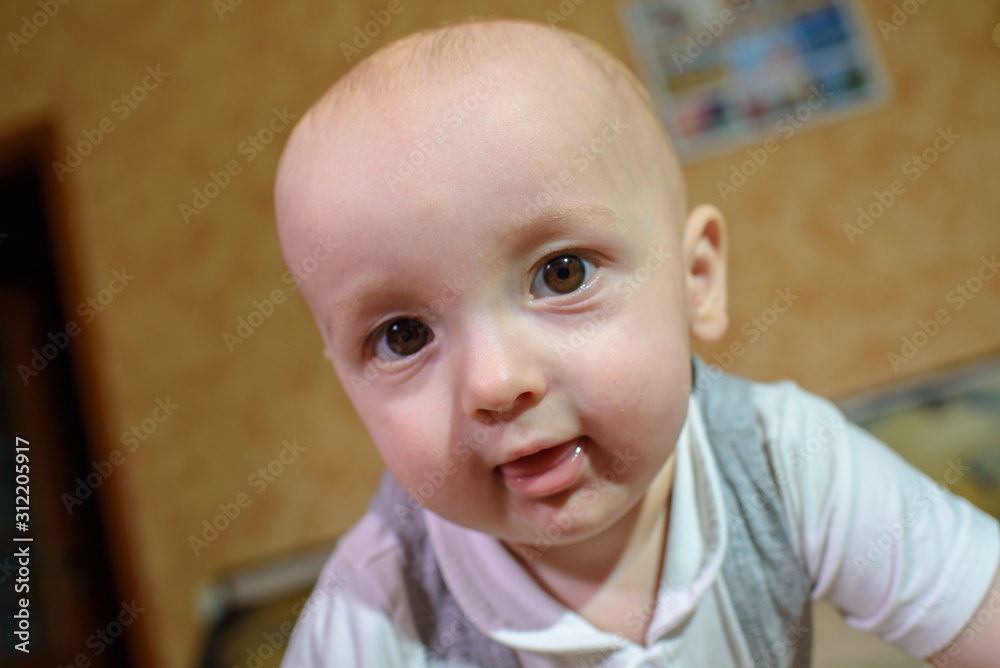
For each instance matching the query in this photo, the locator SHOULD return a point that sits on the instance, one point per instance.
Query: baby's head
(513, 276)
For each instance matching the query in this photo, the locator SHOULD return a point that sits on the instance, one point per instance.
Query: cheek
(413, 438)
(633, 378)
(409, 438)
(643, 343)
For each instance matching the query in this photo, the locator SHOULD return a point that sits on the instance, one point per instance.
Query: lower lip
(558, 476)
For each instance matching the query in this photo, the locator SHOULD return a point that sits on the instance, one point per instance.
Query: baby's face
(508, 312)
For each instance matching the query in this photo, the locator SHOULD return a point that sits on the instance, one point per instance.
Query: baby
(509, 304)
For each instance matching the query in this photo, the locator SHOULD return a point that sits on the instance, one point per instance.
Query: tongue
(537, 463)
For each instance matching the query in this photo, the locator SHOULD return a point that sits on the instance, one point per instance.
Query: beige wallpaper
(175, 195)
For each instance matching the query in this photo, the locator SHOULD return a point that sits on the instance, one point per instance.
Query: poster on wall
(729, 73)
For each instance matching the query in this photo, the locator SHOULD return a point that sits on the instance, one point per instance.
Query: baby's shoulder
(358, 614)
(784, 408)
(799, 428)
(366, 568)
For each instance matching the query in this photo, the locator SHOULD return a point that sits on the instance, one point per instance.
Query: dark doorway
(73, 598)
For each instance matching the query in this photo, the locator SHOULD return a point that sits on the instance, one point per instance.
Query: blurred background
(192, 454)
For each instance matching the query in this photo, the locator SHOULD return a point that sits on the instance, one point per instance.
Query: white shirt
(902, 558)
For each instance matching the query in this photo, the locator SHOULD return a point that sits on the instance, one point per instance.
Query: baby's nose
(500, 373)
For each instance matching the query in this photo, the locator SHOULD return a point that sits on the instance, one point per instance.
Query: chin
(574, 520)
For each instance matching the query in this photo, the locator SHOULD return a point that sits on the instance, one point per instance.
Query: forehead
(422, 152)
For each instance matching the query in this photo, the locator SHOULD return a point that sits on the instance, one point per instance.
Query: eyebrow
(525, 231)
(364, 295)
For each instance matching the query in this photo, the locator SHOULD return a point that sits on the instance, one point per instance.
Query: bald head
(489, 100)
(585, 75)
(440, 56)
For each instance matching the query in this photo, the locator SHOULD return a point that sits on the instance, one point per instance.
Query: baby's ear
(327, 354)
(705, 248)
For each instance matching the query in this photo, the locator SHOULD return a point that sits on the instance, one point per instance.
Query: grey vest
(767, 580)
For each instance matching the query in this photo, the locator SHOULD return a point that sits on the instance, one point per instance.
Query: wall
(161, 338)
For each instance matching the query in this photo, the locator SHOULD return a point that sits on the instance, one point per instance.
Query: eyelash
(591, 267)
(377, 336)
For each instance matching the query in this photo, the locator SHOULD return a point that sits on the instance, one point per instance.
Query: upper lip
(533, 448)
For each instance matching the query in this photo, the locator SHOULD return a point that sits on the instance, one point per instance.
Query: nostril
(521, 403)
(495, 415)
(497, 378)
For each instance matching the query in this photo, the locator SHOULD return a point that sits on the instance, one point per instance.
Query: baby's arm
(978, 644)
(898, 554)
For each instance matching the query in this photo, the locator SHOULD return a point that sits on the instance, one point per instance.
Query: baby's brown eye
(563, 274)
(405, 336)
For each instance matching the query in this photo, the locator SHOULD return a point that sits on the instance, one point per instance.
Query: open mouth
(547, 471)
